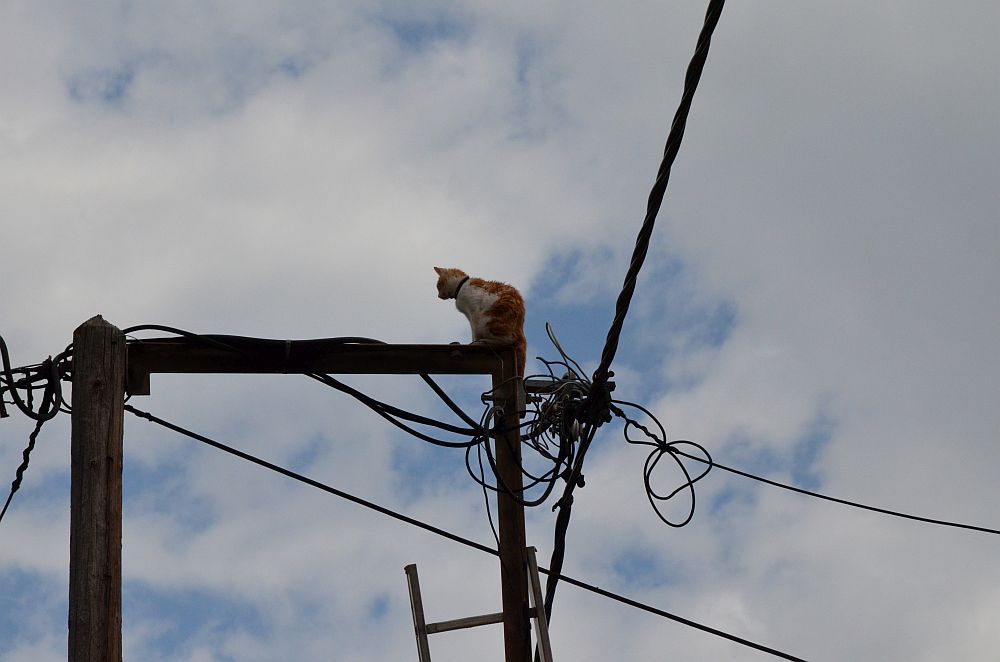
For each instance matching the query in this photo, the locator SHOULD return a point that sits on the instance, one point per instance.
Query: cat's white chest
(474, 303)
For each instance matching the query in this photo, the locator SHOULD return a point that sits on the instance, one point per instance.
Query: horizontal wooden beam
(229, 354)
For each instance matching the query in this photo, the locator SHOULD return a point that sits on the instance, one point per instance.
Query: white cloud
(826, 254)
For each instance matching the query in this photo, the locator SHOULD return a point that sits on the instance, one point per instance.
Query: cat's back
(505, 309)
(499, 294)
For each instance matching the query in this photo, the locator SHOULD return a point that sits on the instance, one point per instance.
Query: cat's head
(448, 280)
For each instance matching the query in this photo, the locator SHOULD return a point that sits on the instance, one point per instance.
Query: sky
(818, 307)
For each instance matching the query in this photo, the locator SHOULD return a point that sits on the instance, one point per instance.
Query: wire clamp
(596, 408)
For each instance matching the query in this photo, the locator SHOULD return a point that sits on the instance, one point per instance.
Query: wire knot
(596, 409)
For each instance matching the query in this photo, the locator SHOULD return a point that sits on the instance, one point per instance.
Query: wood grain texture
(96, 493)
(259, 355)
(510, 516)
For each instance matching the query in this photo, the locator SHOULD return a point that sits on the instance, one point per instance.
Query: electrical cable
(659, 441)
(659, 189)
(660, 448)
(48, 370)
(448, 535)
(26, 454)
(255, 346)
(599, 394)
(845, 502)
(476, 434)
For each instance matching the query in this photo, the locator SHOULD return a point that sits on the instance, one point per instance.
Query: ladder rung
(460, 623)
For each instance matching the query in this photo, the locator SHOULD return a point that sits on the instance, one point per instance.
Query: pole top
(97, 322)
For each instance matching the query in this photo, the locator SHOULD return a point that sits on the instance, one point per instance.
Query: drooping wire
(474, 434)
(253, 347)
(538, 432)
(660, 448)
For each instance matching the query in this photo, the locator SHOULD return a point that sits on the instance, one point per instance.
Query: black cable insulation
(659, 189)
(845, 502)
(599, 391)
(26, 454)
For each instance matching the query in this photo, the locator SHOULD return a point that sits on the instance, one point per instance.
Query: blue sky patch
(731, 498)
(799, 463)
(293, 67)
(25, 609)
(640, 567)
(185, 614)
(807, 452)
(104, 85)
(378, 607)
(159, 489)
(668, 315)
(417, 34)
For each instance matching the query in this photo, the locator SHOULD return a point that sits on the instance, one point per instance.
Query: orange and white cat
(495, 310)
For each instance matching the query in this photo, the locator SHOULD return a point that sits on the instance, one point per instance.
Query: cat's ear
(439, 270)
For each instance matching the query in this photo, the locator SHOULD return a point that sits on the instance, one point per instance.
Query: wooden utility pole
(510, 515)
(95, 538)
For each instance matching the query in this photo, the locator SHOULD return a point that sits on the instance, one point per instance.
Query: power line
(451, 536)
(845, 502)
(659, 189)
(658, 441)
(48, 371)
(25, 456)
(599, 395)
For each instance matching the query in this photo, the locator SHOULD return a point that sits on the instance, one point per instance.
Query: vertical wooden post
(95, 540)
(513, 557)
(417, 607)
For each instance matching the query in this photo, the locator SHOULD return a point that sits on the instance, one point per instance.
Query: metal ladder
(421, 628)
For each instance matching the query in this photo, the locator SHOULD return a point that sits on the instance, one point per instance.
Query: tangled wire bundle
(557, 421)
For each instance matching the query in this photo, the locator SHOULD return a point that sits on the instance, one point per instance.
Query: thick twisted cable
(43, 415)
(659, 189)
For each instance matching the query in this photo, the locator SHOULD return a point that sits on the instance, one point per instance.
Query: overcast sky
(819, 307)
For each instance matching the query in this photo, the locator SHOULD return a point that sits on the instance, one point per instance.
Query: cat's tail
(521, 355)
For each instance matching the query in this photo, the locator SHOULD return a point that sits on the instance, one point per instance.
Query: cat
(495, 310)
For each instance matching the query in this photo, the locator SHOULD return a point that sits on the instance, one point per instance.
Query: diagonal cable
(451, 536)
(599, 398)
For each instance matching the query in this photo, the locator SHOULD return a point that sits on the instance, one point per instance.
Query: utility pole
(95, 538)
(183, 355)
(510, 515)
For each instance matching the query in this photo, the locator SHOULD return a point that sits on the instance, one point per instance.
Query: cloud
(816, 307)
